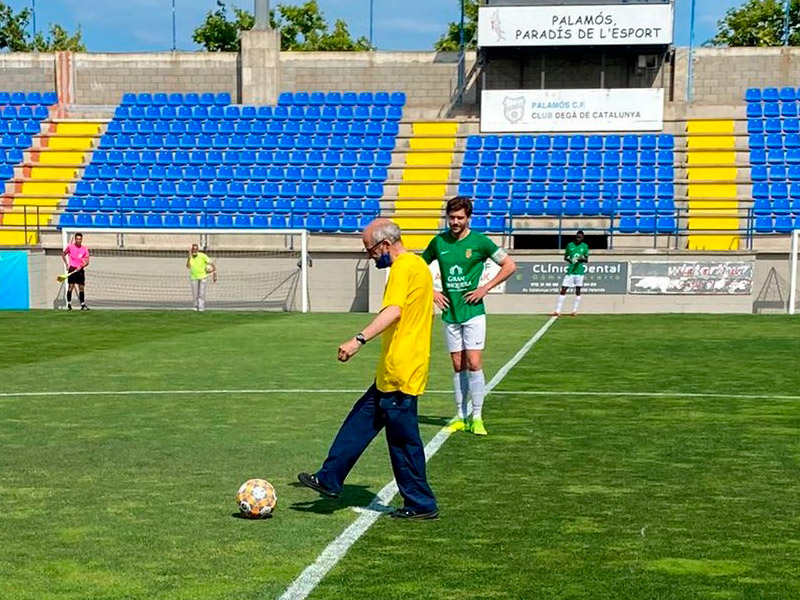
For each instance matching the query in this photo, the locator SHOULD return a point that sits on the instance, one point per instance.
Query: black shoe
(311, 481)
(84, 307)
(69, 306)
(410, 513)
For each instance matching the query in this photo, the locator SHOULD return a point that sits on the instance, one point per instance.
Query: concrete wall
(723, 74)
(103, 78)
(21, 72)
(429, 79)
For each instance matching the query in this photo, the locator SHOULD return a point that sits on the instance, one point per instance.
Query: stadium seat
(752, 95)
(627, 224)
(666, 224)
(763, 224)
(772, 110)
(647, 224)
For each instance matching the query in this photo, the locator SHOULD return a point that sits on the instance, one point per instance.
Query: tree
(302, 28)
(218, 34)
(758, 23)
(14, 34)
(451, 40)
(59, 39)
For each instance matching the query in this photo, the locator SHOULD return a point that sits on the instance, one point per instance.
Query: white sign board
(572, 110)
(601, 25)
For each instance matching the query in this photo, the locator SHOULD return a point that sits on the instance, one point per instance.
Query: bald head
(380, 230)
(382, 242)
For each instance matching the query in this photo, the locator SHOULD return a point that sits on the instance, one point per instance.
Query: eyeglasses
(371, 248)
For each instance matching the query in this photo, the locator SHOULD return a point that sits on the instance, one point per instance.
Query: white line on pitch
(429, 392)
(313, 574)
(652, 394)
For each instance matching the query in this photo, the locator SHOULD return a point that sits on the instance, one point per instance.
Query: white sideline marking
(653, 395)
(427, 392)
(313, 574)
(176, 392)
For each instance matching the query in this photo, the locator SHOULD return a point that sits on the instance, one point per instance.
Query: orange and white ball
(256, 498)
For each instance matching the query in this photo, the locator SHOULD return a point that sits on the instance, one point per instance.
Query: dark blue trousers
(398, 413)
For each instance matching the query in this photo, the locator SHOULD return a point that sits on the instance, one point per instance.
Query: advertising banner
(14, 280)
(546, 278)
(603, 25)
(722, 278)
(521, 111)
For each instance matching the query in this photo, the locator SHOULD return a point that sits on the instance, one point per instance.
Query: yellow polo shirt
(406, 344)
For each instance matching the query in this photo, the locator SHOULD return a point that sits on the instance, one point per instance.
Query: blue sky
(146, 25)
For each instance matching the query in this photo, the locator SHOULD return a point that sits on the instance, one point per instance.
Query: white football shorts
(470, 335)
(572, 281)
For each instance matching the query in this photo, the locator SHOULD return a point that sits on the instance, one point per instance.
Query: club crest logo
(497, 27)
(514, 108)
(468, 253)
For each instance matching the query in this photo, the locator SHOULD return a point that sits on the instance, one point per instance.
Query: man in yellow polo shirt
(405, 322)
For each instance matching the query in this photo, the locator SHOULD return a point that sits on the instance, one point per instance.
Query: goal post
(258, 269)
(795, 247)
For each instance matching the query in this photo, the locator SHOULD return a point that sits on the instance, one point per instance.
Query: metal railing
(614, 225)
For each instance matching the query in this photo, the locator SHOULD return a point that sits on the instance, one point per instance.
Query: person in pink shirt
(76, 257)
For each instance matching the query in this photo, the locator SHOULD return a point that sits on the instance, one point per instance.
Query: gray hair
(388, 231)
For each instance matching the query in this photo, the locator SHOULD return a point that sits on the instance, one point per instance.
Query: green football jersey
(461, 265)
(573, 249)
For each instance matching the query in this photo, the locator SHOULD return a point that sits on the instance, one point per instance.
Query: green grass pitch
(571, 496)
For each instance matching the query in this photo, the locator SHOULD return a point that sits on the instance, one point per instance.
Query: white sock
(576, 304)
(477, 389)
(560, 302)
(461, 392)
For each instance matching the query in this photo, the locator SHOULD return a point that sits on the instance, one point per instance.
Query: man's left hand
(348, 349)
(476, 296)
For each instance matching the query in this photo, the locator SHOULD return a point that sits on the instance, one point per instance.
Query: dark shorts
(78, 277)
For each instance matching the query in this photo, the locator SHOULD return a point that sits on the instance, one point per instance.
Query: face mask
(384, 261)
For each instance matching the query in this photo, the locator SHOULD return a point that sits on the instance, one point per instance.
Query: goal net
(147, 268)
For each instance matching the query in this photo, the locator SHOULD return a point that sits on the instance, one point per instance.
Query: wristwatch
(361, 339)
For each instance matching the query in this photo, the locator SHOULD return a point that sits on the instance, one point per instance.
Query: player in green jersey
(462, 254)
(577, 255)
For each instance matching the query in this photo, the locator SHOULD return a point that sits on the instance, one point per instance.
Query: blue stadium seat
(577, 142)
(630, 142)
(523, 158)
(773, 126)
(752, 95)
(755, 126)
(764, 224)
(772, 110)
(647, 224)
(627, 224)
(594, 158)
(575, 174)
(576, 158)
(397, 99)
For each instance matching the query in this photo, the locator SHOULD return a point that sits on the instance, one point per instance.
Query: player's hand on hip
(348, 349)
(440, 300)
(476, 296)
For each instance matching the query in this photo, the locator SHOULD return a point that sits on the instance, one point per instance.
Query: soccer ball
(256, 499)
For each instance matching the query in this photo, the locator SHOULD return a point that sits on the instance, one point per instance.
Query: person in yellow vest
(391, 401)
(200, 267)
